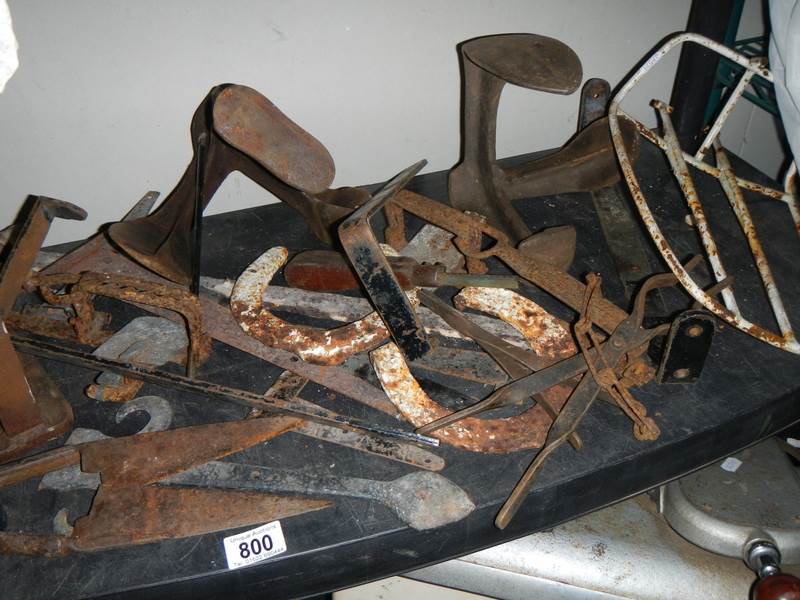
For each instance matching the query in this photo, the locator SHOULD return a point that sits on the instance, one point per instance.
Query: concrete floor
(400, 588)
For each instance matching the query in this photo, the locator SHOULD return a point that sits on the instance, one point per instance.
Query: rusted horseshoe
(319, 346)
(546, 334)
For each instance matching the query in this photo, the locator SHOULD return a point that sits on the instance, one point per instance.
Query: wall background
(99, 110)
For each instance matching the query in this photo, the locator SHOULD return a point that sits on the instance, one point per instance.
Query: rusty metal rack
(733, 186)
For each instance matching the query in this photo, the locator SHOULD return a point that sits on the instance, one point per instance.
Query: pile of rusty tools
(404, 350)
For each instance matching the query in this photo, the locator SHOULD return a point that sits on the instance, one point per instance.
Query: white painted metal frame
(731, 184)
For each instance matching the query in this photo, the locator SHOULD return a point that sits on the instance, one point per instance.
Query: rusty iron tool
(515, 361)
(479, 184)
(62, 466)
(149, 455)
(422, 500)
(532, 61)
(159, 412)
(329, 271)
(556, 282)
(395, 450)
(601, 366)
(66, 354)
(372, 268)
(288, 387)
(32, 409)
(142, 515)
(126, 510)
(218, 323)
(243, 131)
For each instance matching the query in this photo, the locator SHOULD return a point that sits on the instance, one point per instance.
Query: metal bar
(197, 223)
(745, 184)
(288, 387)
(69, 355)
(730, 104)
(729, 40)
(622, 233)
(675, 157)
(791, 196)
(739, 207)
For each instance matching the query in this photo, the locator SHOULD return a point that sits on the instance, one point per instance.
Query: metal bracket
(686, 347)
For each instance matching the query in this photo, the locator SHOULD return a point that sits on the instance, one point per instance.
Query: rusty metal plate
(252, 124)
(528, 60)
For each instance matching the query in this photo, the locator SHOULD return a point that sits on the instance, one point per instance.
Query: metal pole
(697, 68)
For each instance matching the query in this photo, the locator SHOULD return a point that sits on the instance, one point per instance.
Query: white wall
(99, 109)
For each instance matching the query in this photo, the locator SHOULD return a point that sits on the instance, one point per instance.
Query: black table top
(748, 391)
